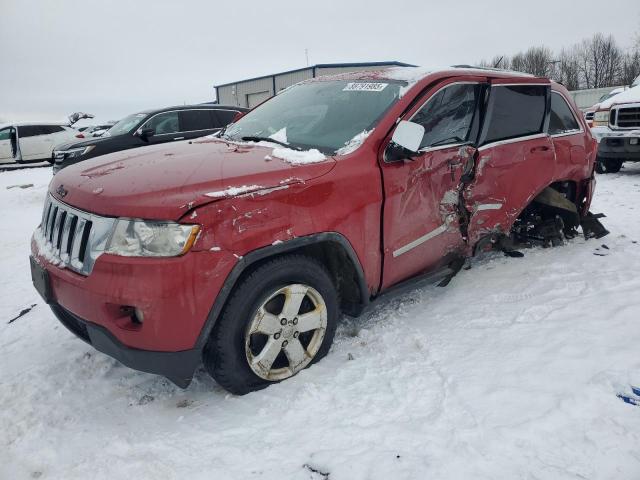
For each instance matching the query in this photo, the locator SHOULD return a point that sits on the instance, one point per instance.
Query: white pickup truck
(616, 127)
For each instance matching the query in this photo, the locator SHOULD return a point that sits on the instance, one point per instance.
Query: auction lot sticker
(364, 87)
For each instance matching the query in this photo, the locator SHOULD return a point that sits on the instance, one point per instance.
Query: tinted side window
(447, 117)
(195, 120)
(517, 111)
(5, 134)
(28, 131)
(164, 123)
(48, 129)
(562, 119)
(224, 117)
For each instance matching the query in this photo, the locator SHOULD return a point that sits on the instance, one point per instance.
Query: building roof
(392, 63)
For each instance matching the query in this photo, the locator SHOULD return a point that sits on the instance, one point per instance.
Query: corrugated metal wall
(240, 93)
(237, 93)
(586, 98)
(335, 70)
(285, 80)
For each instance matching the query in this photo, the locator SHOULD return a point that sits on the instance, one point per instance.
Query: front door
(421, 223)
(32, 142)
(6, 151)
(515, 160)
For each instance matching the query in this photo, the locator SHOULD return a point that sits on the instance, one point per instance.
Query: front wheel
(279, 320)
(608, 166)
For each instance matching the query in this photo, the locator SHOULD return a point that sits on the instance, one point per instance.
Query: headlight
(140, 238)
(601, 118)
(78, 152)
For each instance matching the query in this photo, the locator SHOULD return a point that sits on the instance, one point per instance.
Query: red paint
(378, 207)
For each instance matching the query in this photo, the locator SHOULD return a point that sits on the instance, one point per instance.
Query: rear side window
(562, 119)
(5, 134)
(518, 111)
(29, 131)
(223, 117)
(48, 129)
(195, 120)
(448, 116)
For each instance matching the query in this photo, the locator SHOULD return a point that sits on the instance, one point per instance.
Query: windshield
(126, 124)
(325, 115)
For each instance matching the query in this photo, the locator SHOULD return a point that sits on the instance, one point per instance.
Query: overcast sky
(112, 58)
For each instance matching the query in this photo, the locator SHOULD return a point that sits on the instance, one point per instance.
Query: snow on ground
(510, 372)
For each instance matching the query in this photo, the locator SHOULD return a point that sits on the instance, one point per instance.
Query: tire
(608, 166)
(251, 346)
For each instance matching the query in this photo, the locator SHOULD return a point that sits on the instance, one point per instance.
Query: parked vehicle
(93, 130)
(242, 251)
(616, 127)
(150, 127)
(31, 142)
(590, 112)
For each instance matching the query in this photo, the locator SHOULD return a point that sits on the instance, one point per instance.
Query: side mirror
(238, 116)
(145, 133)
(405, 141)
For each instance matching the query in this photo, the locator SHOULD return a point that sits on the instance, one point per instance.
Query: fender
(271, 251)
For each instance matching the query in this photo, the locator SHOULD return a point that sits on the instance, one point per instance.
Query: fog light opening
(138, 316)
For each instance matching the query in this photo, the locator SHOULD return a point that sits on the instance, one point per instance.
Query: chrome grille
(626, 117)
(72, 237)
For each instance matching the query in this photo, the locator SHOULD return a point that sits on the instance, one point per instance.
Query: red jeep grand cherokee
(242, 250)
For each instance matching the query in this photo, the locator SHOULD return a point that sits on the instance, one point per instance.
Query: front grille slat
(74, 237)
(75, 249)
(626, 117)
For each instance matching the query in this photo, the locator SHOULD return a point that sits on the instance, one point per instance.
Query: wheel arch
(332, 249)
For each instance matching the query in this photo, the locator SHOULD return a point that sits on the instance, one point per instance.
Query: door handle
(543, 148)
(179, 138)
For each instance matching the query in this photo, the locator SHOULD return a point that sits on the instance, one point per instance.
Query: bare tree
(568, 68)
(600, 61)
(630, 67)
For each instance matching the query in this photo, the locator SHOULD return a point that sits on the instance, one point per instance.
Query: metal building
(251, 92)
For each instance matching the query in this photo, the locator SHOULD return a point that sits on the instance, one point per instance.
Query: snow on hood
(353, 144)
(299, 157)
(630, 96)
(163, 182)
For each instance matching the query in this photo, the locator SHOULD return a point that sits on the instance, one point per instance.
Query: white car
(32, 142)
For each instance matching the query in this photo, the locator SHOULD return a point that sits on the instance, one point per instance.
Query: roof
(27, 123)
(391, 63)
(200, 106)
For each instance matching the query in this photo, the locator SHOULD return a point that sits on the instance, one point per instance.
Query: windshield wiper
(268, 139)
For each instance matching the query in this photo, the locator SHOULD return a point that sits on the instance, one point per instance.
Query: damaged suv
(242, 250)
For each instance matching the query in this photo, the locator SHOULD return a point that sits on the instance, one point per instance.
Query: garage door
(257, 98)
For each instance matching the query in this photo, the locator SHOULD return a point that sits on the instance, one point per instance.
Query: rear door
(421, 224)
(515, 159)
(196, 123)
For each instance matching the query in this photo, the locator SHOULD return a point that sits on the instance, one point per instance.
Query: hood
(163, 182)
(628, 96)
(83, 143)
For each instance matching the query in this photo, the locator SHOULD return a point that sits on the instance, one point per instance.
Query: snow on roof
(629, 96)
(27, 123)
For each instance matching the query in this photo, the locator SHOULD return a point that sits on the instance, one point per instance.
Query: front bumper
(617, 144)
(173, 295)
(176, 366)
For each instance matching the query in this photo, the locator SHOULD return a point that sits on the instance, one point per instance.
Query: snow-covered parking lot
(510, 372)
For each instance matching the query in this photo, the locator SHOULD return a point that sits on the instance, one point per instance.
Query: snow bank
(510, 372)
(297, 157)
